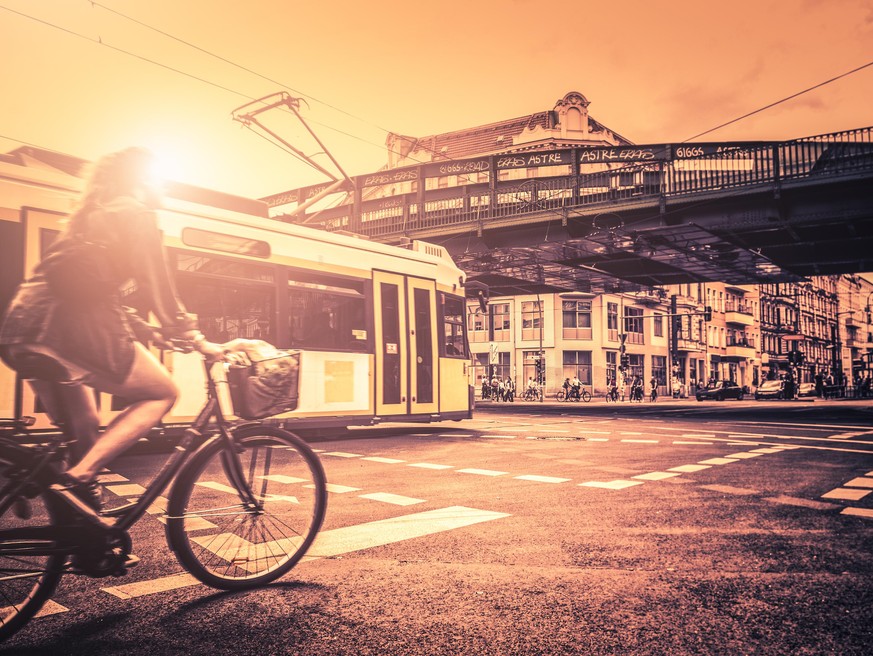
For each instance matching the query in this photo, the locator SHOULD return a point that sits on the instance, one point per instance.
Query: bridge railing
(674, 171)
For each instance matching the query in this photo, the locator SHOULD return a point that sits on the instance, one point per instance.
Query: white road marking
(802, 503)
(395, 499)
(858, 512)
(861, 481)
(656, 476)
(729, 489)
(744, 455)
(49, 608)
(342, 454)
(542, 479)
(387, 461)
(611, 485)
(129, 490)
(683, 442)
(282, 478)
(641, 441)
(717, 461)
(111, 478)
(152, 586)
(500, 437)
(430, 465)
(846, 494)
(483, 472)
(688, 468)
(342, 540)
(337, 489)
(386, 531)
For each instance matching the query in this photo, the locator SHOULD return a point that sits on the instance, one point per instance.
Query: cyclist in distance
(66, 323)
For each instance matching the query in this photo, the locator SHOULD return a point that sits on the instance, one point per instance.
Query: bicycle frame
(44, 474)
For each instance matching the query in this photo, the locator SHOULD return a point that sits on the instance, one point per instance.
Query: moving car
(719, 391)
(770, 389)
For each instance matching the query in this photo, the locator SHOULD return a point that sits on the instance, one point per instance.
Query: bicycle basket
(267, 387)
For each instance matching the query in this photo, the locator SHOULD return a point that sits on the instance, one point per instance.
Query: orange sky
(653, 71)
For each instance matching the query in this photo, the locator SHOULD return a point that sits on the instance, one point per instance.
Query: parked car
(719, 391)
(770, 389)
(806, 389)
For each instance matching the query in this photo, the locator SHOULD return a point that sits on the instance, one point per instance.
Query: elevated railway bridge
(623, 218)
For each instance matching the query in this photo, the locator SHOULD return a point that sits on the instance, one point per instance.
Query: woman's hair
(119, 174)
(125, 173)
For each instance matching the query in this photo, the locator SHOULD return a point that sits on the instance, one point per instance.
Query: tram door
(406, 348)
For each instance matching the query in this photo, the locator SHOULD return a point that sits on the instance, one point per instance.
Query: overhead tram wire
(101, 42)
(779, 102)
(287, 87)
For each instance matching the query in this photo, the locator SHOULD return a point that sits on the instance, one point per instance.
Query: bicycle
(612, 395)
(531, 394)
(245, 504)
(573, 395)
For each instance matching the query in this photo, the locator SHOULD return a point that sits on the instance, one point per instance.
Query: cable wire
(779, 102)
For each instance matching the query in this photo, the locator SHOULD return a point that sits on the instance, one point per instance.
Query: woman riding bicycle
(66, 323)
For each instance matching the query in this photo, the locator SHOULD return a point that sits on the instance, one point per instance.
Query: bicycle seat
(40, 367)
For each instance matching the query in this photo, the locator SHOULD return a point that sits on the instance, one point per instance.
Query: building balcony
(690, 345)
(741, 352)
(739, 317)
(851, 321)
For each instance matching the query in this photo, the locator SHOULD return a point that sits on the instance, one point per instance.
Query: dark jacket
(98, 335)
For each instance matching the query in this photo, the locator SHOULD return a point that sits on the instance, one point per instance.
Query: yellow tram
(380, 329)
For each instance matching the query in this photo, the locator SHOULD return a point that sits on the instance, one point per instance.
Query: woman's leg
(74, 407)
(150, 392)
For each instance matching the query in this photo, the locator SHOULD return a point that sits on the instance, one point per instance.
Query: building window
(658, 325)
(633, 325)
(500, 314)
(635, 360)
(612, 322)
(611, 367)
(477, 326)
(577, 363)
(576, 319)
(659, 369)
(529, 366)
(531, 318)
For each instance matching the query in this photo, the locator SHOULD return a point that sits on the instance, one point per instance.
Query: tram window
(228, 310)
(197, 263)
(225, 243)
(327, 314)
(454, 341)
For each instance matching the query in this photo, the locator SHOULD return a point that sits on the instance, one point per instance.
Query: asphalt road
(668, 528)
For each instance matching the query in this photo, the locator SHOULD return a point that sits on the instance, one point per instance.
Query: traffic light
(707, 313)
(625, 361)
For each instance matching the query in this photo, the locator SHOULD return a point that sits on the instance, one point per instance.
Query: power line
(779, 102)
(233, 63)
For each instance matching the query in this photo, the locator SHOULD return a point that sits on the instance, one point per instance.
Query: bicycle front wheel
(30, 566)
(244, 517)
(586, 396)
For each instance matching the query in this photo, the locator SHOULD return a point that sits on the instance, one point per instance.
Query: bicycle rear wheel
(29, 572)
(231, 542)
(586, 396)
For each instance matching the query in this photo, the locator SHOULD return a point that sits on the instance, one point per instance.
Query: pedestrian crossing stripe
(344, 540)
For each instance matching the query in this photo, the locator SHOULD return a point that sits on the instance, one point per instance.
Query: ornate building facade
(753, 332)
